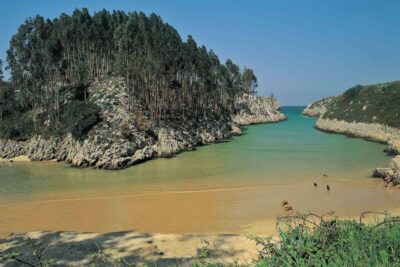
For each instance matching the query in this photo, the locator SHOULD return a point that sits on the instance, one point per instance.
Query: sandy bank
(15, 159)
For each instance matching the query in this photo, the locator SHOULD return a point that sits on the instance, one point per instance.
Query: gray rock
(318, 108)
(381, 172)
(127, 137)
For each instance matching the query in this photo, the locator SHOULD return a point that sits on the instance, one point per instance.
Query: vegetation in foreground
(303, 240)
(378, 103)
(311, 240)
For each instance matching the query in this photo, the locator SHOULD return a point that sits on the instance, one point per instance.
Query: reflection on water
(226, 187)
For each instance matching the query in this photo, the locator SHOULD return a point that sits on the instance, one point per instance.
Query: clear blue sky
(300, 50)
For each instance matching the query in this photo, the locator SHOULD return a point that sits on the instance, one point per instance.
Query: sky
(300, 51)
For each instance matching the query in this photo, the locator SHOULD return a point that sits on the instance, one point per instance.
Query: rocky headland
(318, 108)
(390, 174)
(251, 109)
(124, 138)
(371, 131)
(370, 112)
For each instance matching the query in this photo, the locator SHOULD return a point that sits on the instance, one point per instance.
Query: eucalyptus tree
(53, 61)
(1, 70)
(249, 80)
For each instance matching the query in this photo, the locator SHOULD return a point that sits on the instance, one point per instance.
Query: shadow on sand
(123, 249)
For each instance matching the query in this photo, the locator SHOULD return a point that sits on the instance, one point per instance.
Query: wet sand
(240, 210)
(164, 228)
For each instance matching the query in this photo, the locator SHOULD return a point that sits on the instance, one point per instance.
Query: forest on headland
(53, 62)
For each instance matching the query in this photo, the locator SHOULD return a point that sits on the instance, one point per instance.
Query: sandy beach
(83, 249)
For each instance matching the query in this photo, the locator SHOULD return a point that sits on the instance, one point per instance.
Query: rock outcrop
(392, 173)
(371, 131)
(123, 138)
(371, 112)
(318, 108)
(256, 109)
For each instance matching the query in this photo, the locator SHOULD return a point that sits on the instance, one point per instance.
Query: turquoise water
(233, 187)
(278, 153)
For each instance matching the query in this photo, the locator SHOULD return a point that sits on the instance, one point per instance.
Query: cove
(232, 187)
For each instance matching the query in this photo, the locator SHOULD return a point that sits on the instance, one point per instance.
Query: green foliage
(157, 65)
(310, 240)
(371, 104)
(1, 70)
(204, 251)
(353, 92)
(53, 61)
(249, 80)
(18, 127)
(6, 95)
(79, 117)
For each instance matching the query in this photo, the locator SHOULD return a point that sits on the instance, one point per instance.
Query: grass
(377, 103)
(311, 240)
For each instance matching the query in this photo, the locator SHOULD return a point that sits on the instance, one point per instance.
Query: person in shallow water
(387, 179)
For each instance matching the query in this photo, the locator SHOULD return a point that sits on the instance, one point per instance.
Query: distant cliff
(318, 108)
(123, 138)
(371, 112)
(251, 109)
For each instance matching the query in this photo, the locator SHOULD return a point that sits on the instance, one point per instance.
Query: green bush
(78, 117)
(371, 104)
(17, 127)
(310, 240)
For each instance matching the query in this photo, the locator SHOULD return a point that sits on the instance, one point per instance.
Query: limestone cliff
(393, 170)
(318, 108)
(124, 138)
(252, 109)
(371, 112)
(371, 131)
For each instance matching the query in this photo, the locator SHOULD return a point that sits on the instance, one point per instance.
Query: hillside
(113, 89)
(370, 112)
(377, 103)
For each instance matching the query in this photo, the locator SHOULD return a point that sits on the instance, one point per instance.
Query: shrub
(78, 117)
(310, 240)
(371, 104)
(17, 127)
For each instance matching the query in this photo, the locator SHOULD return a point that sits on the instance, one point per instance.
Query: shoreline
(369, 131)
(373, 132)
(170, 147)
(21, 158)
(122, 140)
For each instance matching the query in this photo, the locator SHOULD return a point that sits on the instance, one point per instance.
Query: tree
(52, 61)
(249, 80)
(1, 71)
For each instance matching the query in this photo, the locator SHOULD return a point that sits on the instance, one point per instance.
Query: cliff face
(125, 138)
(318, 108)
(371, 131)
(370, 112)
(252, 109)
